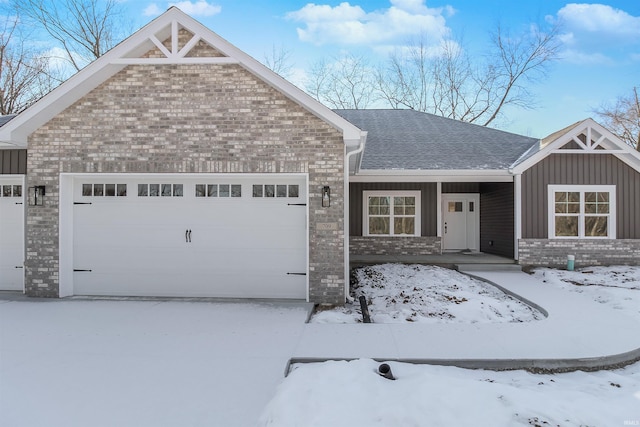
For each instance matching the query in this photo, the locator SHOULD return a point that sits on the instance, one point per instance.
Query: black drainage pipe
(364, 309)
(385, 371)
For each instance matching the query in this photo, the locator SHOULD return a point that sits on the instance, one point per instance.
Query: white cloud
(351, 24)
(197, 8)
(152, 10)
(584, 58)
(595, 34)
(599, 18)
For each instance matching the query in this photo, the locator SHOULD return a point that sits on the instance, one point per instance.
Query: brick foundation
(553, 252)
(379, 245)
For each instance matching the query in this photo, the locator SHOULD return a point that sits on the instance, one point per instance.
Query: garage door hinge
(78, 269)
(296, 274)
(81, 203)
(296, 204)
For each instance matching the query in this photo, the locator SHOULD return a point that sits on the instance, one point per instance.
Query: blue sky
(600, 55)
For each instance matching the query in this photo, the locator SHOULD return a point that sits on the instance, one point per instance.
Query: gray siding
(460, 187)
(496, 219)
(429, 206)
(13, 162)
(580, 169)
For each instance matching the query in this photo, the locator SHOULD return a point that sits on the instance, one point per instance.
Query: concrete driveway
(142, 363)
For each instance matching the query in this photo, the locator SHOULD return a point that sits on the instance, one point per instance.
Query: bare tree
(84, 29)
(279, 61)
(446, 81)
(516, 61)
(623, 118)
(25, 75)
(344, 82)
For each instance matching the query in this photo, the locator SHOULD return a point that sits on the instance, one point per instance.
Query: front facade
(176, 165)
(181, 167)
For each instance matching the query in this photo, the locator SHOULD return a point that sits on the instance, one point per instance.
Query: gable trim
(128, 51)
(617, 147)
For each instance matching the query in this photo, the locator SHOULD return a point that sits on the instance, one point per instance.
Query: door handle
(189, 236)
(445, 228)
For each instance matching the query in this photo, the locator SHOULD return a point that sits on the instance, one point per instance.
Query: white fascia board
(18, 130)
(432, 176)
(12, 145)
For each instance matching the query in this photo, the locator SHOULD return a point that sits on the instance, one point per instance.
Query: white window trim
(391, 193)
(611, 223)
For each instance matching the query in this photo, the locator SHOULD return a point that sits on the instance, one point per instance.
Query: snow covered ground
(399, 293)
(173, 363)
(352, 394)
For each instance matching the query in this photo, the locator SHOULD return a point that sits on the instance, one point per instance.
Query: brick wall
(187, 119)
(379, 245)
(553, 252)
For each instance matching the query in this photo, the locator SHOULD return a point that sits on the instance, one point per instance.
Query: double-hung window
(391, 213)
(582, 211)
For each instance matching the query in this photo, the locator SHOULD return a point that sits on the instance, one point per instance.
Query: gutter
(347, 161)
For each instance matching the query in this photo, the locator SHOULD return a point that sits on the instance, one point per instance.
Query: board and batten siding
(13, 162)
(429, 205)
(497, 219)
(580, 169)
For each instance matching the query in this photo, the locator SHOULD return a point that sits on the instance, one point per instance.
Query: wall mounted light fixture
(326, 196)
(36, 195)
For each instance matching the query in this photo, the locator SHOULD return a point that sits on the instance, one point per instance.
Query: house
(427, 184)
(176, 165)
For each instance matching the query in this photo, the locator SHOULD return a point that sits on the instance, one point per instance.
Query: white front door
(461, 222)
(240, 236)
(11, 233)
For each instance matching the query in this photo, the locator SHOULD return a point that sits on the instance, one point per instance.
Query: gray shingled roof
(409, 139)
(5, 119)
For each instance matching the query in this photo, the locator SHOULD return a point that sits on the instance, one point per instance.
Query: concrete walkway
(577, 333)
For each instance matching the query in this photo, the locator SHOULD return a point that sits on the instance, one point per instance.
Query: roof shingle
(409, 139)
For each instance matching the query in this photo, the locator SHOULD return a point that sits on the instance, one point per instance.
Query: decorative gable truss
(585, 137)
(176, 44)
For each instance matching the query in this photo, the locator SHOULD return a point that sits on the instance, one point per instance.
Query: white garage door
(11, 233)
(226, 236)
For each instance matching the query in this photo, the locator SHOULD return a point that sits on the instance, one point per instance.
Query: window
(391, 213)
(582, 211)
(160, 190)
(104, 190)
(11, 191)
(218, 190)
(279, 190)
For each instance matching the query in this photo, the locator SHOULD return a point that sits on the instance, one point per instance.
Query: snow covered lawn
(352, 394)
(398, 293)
(617, 287)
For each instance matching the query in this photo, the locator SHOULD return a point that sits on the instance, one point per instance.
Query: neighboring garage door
(11, 233)
(239, 236)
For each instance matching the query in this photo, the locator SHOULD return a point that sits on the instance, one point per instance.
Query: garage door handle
(296, 204)
(79, 269)
(19, 266)
(296, 274)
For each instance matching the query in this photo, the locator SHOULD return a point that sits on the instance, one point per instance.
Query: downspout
(347, 161)
(517, 212)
